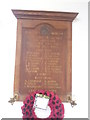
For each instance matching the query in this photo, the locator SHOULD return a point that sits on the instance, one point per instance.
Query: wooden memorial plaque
(43, 52)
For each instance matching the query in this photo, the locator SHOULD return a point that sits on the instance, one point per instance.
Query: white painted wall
(79, 55)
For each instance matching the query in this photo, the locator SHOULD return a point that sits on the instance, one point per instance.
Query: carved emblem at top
(45, 30)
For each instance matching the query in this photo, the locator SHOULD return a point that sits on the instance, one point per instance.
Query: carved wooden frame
(23, 20)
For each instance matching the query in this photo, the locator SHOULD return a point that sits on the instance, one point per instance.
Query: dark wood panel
(43, 54)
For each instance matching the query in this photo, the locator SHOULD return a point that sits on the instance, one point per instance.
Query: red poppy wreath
(55, 104)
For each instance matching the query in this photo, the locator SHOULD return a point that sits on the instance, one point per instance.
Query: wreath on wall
(57, 107)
